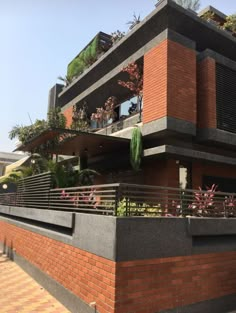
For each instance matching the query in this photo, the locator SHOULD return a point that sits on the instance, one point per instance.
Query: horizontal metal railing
(143, 200)
(125, 200)
(90, 199)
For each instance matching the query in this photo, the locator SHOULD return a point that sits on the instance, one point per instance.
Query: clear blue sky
(40, 37)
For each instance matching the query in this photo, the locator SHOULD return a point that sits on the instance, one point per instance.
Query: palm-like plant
(136, 20)
(67, 80)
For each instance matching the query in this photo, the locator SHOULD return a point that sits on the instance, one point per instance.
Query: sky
(38, 38)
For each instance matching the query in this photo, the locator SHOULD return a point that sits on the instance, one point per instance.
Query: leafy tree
(16, 174)
(56, 119)
(25, 133)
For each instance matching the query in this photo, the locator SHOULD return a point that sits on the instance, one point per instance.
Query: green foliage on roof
(86, 58)
(230, 23)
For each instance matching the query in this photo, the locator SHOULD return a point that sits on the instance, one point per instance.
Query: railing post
(49, 196)
(117, 198)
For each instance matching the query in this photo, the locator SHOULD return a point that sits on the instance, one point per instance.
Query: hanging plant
(136, 148)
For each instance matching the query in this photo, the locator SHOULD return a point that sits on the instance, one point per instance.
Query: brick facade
(140, 286)
(206, 107)
(68, 115)
(162, 173)
(170, 82)
(156, 285)
(200, 169)
(155, 83)
(88, 276)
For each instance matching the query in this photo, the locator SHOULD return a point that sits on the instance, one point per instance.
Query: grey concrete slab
(169, 123)
(47, 232)
(188, 153)
(146, 237)
(96, 234)
(61, 218)
(217, 136)
(211, 226)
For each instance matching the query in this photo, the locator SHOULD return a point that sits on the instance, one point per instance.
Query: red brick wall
(154, 285)
(162, 173)
(169, 82)
(68, 114)
(155, 83)
(200, 169)
(206, 79)
(90, 277)
(144, 286)
(182, 82)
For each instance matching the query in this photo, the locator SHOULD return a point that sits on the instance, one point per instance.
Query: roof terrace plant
(135, 21)
(88, 56)
(117, 36)
(230, 24)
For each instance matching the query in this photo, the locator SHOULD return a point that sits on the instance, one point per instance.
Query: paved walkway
(19, 293)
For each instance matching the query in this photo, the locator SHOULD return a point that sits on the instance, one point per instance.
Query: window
(226, 98)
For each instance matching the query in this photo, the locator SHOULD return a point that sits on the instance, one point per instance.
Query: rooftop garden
(99, 45)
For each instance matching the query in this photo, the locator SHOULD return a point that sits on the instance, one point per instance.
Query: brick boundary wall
(139, 286)
(90, 277)
(161, 284)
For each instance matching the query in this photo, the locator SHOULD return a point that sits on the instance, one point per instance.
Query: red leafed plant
(230, 205)
(135, 83)
(204, 200)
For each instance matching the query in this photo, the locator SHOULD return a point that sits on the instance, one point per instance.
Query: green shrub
(230, 23)
(135, 209)
(87, 57)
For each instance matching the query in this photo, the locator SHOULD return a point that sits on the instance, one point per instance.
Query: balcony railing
(127, 200)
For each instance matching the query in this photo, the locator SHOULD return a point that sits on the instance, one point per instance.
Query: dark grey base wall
(134, 238)
(68, 299)
(225, 304)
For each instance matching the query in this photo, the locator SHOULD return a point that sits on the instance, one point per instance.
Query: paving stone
(21, 294)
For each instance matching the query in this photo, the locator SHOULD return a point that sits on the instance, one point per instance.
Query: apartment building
(188, 114)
